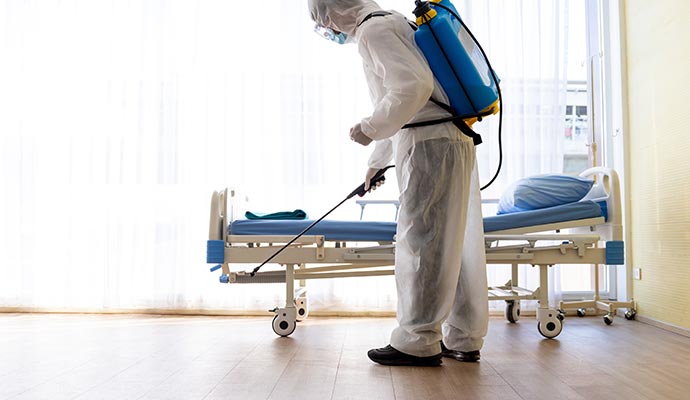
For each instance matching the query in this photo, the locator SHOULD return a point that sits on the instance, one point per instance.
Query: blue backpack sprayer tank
(461, 67)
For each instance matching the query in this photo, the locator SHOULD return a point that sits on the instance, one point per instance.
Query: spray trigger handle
(378, 177)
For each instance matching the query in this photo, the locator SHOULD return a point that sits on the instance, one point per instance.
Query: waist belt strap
(457, 120)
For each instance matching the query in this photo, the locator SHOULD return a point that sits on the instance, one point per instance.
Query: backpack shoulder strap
(374, 14)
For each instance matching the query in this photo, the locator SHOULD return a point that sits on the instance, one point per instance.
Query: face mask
(330, 34)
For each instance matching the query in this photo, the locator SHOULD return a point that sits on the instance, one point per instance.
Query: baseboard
(188, 312)
(663, 325)
(133, 311)
(212, 313)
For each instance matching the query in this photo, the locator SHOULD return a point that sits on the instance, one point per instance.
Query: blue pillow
(543, 191)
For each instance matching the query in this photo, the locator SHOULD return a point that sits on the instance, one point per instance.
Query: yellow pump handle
(426, 17)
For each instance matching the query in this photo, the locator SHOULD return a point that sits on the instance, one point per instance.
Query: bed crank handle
(378, 177)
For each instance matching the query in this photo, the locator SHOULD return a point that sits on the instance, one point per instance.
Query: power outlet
(637, 273)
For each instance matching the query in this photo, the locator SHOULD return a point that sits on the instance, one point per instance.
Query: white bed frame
(312, 257)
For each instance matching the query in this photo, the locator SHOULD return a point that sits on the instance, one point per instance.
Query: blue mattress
(365, 231)
(349, 231)
(551, 215)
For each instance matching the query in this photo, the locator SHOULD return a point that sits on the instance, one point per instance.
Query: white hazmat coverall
(440, 264)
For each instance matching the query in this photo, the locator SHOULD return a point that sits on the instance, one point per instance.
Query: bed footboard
(607, 188)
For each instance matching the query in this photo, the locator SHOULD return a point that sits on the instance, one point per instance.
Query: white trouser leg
(466, 326)
(435, 184)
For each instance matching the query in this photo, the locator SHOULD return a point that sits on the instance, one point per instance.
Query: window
(577, 133)
(587, 120)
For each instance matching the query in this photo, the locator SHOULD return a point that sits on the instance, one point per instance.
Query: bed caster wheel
(608, 319)
(512, 311)
(581, 312)
(302, 306)
(630, 314)
(550, 329)
(560, 315)
(549, 324)
(284, 323)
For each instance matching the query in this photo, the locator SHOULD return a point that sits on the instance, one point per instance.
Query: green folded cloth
(297, 214)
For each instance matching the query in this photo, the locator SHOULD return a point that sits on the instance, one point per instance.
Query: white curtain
(119, 119)
(527, 44)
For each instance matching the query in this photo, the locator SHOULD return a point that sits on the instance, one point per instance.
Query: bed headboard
(607, 188)
(226, 206)
(217, 223)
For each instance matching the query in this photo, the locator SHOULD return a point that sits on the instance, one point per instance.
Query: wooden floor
(150, 357)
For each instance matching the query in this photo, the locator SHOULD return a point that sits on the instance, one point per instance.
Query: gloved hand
(370, 174)
(358, 136)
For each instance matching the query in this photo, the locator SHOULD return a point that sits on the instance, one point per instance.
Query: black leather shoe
(390, 356)
(464, 356)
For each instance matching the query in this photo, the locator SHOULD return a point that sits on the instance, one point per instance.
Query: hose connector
(423, 12)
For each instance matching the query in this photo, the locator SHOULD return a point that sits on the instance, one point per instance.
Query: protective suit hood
(341, 15)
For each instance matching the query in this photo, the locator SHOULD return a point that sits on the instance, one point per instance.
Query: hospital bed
(586, 232)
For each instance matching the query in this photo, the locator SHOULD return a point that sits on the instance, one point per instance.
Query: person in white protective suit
(440, 264)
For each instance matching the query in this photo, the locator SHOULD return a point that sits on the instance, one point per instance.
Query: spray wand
(359, 191)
